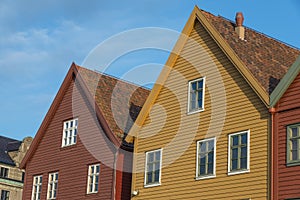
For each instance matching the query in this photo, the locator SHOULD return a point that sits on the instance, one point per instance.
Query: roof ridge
(261, 33)
(114, 77)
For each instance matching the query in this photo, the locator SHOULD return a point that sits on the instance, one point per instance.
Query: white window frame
(91, 179)
(37, 187)
(69, 136)
(241, 171)
(197, 159)
(146, 169)
(51, 186)
(189, 96)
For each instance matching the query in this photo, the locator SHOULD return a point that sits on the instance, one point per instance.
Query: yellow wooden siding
(170, 127)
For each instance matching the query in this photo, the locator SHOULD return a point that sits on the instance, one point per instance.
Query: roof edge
(196, 14)
(233, 57)
(60, 94)
(285, 82)
(48, 116)
(162, 77)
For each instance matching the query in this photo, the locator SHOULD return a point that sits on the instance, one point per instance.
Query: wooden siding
(170, 127)
(287, 179)
(71, 162)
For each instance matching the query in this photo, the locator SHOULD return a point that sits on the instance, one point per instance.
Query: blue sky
(40, 39)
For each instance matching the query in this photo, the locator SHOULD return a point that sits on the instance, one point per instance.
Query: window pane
(244, 152)
(194, 86)
(294, 144)
(244, 139)
(157, 155)
(203, 147)
(243, 163)
(200, 84)
(234, 153)
(234, 164)
(210, 157)
(193, 96)
(294, 132)
(294, 155)
(149, 175)
(210, 168)
(211, 145)
(156, 176)
(150, 157)
(235, 140)
(202, 169)
(203, 160)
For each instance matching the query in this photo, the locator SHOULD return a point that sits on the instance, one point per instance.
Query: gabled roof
(115, 98)
(267, 59)
(98, 88)
(8, 145)
(285, 82)
(260, 59)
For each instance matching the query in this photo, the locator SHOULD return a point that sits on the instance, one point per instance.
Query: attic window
(70, 132)
(196, 95)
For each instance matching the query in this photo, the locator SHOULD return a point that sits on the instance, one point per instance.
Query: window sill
(152, 185)
(205, 177)
(291, 164)
(68, 146)
(195, 111)
(238, 172)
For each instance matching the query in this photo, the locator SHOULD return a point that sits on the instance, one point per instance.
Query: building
(203, 132)
(11, 176)
(78, 151)
(285, 109)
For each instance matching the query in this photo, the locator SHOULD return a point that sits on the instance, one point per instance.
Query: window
(238, 153)
(4, 172)
(153, 168)
(52, 185)
(70, 132)
(93, 178)
(206, 158)
(293, 144)
(4, 195)
(196, 95)
(36, 188)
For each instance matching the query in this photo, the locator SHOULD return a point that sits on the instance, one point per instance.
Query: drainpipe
(272, 111)
(114, 175)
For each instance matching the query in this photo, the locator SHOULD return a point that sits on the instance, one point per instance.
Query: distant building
(11, 176)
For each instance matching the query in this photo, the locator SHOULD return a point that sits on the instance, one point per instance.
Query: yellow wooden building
(203, 131)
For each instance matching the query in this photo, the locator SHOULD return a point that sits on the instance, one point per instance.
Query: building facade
(203, 132)
(285, 110)
(78, 152)
(11, 176)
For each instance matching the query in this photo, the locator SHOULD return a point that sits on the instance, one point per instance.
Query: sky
(40, 39)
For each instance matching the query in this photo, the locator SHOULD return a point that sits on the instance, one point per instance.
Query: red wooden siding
(72, 162)
(286, 179)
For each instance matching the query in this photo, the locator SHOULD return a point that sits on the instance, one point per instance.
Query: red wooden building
(285, 110)
(78, 151)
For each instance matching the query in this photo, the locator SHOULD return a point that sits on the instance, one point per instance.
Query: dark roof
(8, 145)
(266, 58)
(119, 101)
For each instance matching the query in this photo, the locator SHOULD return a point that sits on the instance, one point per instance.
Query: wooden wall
(171, 128)
(286, 179)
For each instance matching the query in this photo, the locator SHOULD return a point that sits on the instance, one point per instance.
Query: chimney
(239, 29)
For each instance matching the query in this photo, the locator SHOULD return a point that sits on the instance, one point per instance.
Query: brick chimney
(239, 29)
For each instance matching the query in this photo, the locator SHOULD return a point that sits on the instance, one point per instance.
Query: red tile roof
(119, 101)
(267, 59)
